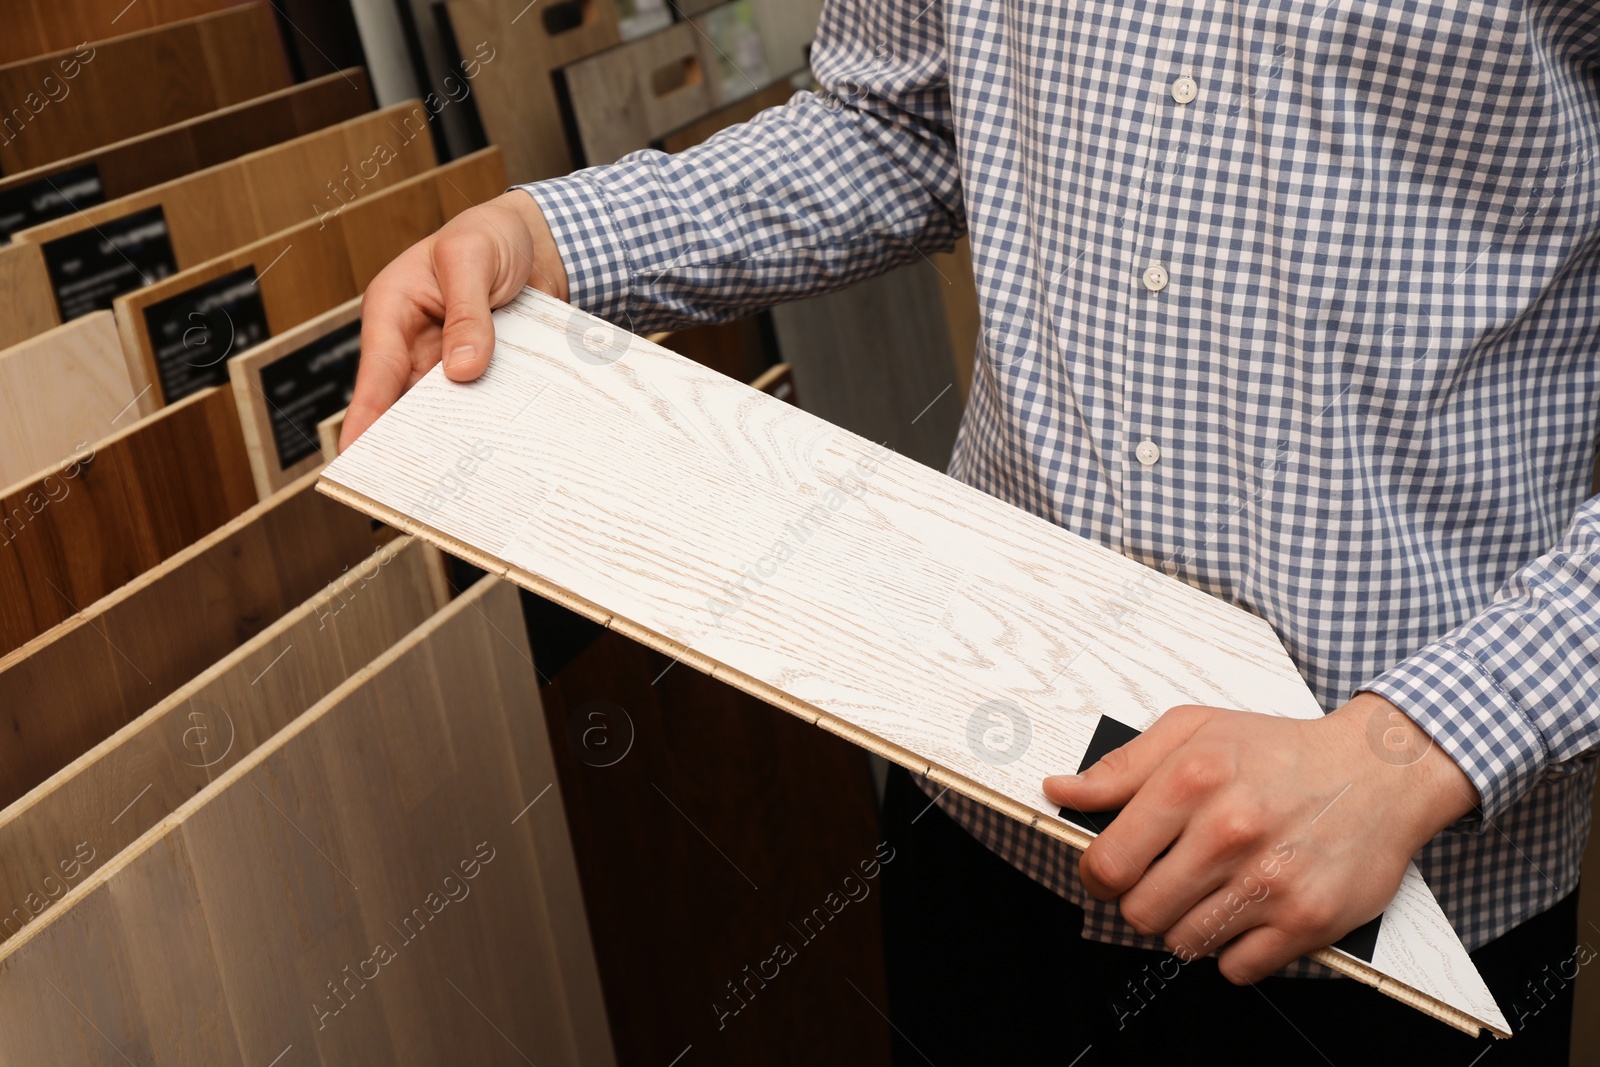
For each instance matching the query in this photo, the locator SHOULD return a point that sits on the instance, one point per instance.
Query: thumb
(1116, 776)
(466, 261)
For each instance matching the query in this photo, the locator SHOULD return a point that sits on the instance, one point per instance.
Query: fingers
(388, 320)
(1258, 953)
(466, 260)
(1117, 776)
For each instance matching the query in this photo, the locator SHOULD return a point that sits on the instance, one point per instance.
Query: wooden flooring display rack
(66, 102)
(629, 485)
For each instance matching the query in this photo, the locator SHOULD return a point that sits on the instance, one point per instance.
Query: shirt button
(1184, 89)
(1155, 278)
(1147, 453)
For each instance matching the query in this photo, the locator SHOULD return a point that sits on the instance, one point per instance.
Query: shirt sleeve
(1515, 692)
(831, 188)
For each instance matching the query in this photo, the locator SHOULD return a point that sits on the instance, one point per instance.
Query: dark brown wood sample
(40, 26)
(126, 652)
(117, 508)
(66, 102)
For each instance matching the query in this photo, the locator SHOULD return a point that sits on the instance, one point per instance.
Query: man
(1297, 302)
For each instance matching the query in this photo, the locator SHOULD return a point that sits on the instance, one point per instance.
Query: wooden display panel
(118, 777)
(60, 391)
(39, 26)
(116, 509)
(302, 271)
(281, 387)
(27, 303)
(627, 483)
(214, 211)
(626, 97)
(127, 651)
(413, 808)
(66, 102)
(514, 91)
(138, 162)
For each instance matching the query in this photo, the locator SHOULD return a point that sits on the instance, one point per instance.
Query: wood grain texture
(328, 431)
(308, 269)
(116, 509)
(625, 97)
(27, 303)
(412, 808)
(895, 606)
(113, 88)
(218, 209)
(60, 391)
(132, 774)
(39, 26)
(513, 90)
(125, 652)
(256, 408)
(147, 159)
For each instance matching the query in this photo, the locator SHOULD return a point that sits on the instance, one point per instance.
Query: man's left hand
(1263, 838)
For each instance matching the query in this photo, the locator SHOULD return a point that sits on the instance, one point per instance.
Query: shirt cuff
(586, 237)
(1457, 701)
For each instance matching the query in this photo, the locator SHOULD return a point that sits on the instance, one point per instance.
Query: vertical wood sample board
(895, 606)
(387, 880)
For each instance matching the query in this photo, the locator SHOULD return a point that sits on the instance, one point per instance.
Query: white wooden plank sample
(895, 606)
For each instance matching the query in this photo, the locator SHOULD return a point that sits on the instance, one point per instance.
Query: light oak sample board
(630, 485)
(70, 536)
(27, 304)
(388, 880)
(134, 163)
(624, 98)
(125, 652)
(98, 253)
(60, 391)
(287, 387)
(70, 101)
(39, 26)
(132, 774)
(179, 333)
(514, 90)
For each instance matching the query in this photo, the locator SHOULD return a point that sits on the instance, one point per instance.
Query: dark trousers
(985, 966)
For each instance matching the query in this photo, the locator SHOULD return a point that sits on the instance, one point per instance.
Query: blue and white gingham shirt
(1367, 392)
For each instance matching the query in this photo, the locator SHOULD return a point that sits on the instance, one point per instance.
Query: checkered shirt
(1367, 390)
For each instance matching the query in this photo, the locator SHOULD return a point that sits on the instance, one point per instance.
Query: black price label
(48, 198)
(91, 268)
(194, 333)
(306, 386)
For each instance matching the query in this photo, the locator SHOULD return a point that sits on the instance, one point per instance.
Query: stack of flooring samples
(638, 488)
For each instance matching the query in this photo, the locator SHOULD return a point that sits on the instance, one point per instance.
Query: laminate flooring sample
(60, 391)
(894, 606)
(137, 772)
(127, 651)
(388, 880)
(116, 508)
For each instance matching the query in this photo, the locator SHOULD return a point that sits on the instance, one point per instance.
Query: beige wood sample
(126, 651)
(60, 391)
(518, 48)
(215, 210)
(116, 508)
(328, 431)
(624, 98)
(895, 606)
(257, 408)
(305, 270)
(27, 305)
(388, 880)
(147, 159)
(73, 100)
(134, 773)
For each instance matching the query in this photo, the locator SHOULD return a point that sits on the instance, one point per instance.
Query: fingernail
(1063, 779)
(459, 355)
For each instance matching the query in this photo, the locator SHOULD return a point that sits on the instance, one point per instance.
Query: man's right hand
(434, 301)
